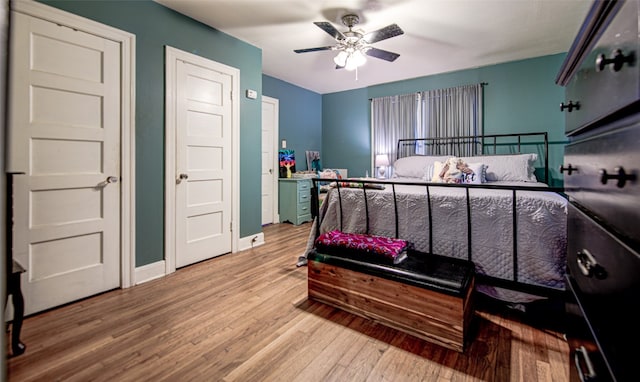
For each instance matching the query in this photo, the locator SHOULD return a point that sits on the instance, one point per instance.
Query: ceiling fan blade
(382, 54)
(313, 49)
(327, 27)
(389, 31)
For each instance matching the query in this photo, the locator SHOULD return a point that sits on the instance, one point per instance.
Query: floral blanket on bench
(364, 247)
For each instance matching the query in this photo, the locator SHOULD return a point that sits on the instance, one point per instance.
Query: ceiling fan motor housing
(350, 20)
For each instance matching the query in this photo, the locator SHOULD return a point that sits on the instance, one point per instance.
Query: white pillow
(428, 174)
(516, 167)
(413, 166)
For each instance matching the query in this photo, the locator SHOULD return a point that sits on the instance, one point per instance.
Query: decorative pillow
(451, 170)
(477, 174)
(414, 166)
(435, 173)
(455, 170)
(516, 167)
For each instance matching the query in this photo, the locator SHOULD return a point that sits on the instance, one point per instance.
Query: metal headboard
(476, 145)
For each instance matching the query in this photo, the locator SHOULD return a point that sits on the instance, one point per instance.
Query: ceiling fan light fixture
(341, 58)
(355, 60)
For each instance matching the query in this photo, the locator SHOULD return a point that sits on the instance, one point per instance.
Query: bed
(517, 260)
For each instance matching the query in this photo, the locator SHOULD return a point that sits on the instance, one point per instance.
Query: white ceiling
(439, 35)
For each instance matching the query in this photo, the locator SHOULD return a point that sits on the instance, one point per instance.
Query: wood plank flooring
(246, 317)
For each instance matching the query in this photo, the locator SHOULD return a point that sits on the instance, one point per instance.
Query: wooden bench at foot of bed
(426, 296)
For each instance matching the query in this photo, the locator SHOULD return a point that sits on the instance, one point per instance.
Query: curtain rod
(481, 84)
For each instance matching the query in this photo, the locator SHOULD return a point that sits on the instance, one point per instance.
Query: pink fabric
(385, 246)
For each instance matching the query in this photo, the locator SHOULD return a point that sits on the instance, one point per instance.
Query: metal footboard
(512, 284)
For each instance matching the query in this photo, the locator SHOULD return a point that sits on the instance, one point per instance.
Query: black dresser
(601, 170)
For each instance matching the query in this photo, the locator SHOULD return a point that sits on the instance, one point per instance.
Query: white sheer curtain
(393, 118)
(452, 112)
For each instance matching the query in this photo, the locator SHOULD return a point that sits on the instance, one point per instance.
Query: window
(439, 113)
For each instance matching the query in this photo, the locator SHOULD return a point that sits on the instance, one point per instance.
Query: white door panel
(203, 159)
(269, 179)
(65, 94)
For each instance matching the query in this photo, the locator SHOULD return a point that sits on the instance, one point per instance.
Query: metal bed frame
(512, 284)
(476, 145)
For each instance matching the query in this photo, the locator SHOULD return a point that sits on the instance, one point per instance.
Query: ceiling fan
(353, 45)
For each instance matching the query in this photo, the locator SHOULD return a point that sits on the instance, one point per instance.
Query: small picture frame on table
(287, 160)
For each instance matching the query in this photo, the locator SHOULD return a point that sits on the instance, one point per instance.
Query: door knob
(112, 179)
(182, 177)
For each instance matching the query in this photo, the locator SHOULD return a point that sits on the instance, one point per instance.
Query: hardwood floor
(246, 317)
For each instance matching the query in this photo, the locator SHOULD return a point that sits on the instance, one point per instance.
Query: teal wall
(156, 26)
(346, 131)
(520, 96)
(300, 117)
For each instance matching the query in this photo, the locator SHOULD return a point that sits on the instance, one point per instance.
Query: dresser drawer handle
(570, 106)
(581, 353)
(589, 266)
(569, 169)
(618, 60)
(620, 175)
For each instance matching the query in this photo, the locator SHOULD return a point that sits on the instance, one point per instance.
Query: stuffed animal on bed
(454, 170)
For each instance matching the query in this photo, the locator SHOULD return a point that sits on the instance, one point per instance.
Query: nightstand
(295, 200)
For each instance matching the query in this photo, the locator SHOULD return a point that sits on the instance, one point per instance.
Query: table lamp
(382, 161)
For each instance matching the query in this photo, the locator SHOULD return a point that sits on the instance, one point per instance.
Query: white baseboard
(150, 272)
(156, 270)
(251, 241)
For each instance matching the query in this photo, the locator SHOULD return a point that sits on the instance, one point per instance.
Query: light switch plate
(252, 94)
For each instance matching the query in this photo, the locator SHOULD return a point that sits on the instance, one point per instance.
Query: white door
(269, 159)
(203, 163)
(65, 122)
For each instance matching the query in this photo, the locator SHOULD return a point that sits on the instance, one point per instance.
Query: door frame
(275, 144)
(16, 156)
(171, 56)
